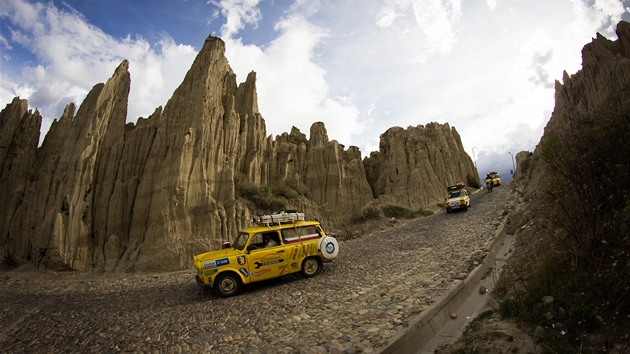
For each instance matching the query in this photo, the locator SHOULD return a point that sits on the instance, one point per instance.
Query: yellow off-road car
(280, 244)
(457, 198)
(494, 178)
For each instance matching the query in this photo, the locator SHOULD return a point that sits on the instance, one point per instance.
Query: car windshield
(454, 194)
(241, 241)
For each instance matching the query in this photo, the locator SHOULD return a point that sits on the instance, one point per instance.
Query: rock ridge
(104, 195)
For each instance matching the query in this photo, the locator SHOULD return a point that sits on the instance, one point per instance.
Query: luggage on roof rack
(459, 185)
(279, 218)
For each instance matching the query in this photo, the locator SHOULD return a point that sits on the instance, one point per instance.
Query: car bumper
(201, 283)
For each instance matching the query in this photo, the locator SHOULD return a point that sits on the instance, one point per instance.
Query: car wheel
(311, 266)
(227, 284)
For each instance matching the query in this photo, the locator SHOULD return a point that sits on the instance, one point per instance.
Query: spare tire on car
(328, 247)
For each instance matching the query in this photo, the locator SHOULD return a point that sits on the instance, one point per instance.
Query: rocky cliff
(101, 194)
(414, 165)
(603, 81)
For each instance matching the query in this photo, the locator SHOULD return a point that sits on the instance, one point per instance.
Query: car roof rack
(455, 187)
(279, 218)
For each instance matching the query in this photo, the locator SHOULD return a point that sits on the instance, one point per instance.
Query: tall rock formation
(603, 80)
(414, 166)
(604, 74)
(100, 194)
(19, 134)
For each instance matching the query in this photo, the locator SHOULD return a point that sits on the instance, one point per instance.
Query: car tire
(311, 266)
(227, 284)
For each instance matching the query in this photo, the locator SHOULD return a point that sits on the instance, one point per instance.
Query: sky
(486, 67)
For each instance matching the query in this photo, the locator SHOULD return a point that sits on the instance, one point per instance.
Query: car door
(266, 263)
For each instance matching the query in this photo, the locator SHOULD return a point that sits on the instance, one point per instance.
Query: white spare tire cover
(328, 247)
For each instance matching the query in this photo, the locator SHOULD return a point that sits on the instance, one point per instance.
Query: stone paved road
(359, 301)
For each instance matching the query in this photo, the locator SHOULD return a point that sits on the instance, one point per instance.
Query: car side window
(308, 231)
(271, 239)
(257, 240)
(288, 235)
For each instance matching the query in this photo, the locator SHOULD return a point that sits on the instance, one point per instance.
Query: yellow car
(457, 198)
(271, 249)
(494, 178)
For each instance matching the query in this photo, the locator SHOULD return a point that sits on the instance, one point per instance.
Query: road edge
(427, 324)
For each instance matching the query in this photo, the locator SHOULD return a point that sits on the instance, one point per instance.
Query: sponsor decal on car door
(267, 263)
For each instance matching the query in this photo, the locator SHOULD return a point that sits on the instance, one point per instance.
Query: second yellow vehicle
(494, 178)
(278, 245)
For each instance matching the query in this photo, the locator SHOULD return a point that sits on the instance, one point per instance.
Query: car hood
(212, 255)
(456, 199)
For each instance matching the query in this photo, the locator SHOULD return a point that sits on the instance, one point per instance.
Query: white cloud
(492, 4)
(5, 43)
(237, 13)
(360, 66)
(437, 19)
(291, 87)
(74, 56)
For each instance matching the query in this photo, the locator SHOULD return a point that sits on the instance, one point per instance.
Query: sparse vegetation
(396, 211)
(580, 254)
(369, 213)
(473, 181)
(268, 198)
(424, 212)
(9, 260)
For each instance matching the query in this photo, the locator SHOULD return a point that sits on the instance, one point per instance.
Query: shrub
(267, 202)
(9, 259)
(425, 212)
(395, 211)
(473, 181)
(525, 165)
(268, 198)
(371, 213)
(243, 187)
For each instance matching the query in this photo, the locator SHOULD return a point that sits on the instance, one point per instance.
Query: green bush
(9, 259)
(473, 181)
(268, 198)
(525, 165)
(425, 212)
(371, 213)
(395, 211)
(243, 187)
(267, 202)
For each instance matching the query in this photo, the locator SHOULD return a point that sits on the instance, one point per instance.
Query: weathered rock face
(605, 75)
(19, 134)
(415, 165)
(100, 194)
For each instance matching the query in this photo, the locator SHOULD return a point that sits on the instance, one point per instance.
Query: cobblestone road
(359, 301)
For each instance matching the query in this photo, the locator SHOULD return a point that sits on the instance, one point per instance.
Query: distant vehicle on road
(494, 178)
(457, 198)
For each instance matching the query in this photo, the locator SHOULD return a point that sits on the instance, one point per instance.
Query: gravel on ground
(371, 291)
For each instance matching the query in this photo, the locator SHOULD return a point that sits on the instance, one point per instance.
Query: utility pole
(513, 165)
